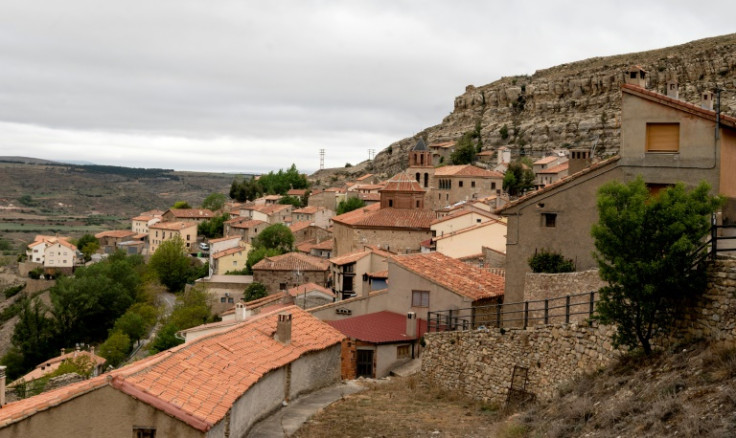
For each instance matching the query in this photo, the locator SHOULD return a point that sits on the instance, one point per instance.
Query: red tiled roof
(51, 240)
(114, 233)
(175, 226)
(556, 169)
(677, 104)
(142, 218)
(297, 192)
(370, 196)
(300, 225)
(325, 244)
(378, 328)
(462, 212)
(223, 239)
(546, 160)
(237, 219)
(364, 177)
(375, 216)
(192, 213)
(199, 382)
(292, 261)
(368, 187)
(549, 187)
(402, 182)
(310, 209)
(453, 275)
(485, 154)
(379, 274)
(466, 170)
(227, 252)
(356, 215)
(248, 224)
(349, 258)
(309, 287)
(443, 145)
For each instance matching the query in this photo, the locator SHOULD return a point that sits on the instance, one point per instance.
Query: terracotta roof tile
(547, 160)
(378, 328)
(248, 224)
(191, 213)
(223, 239)
(402, 182)
(309, 287)
(379, 274)
(453, 275)
(142, 218)
(228, 252)
(394, 218)
(356, 215)
(326, 244)
(442, 145)
(310, 209)
(466, 170)
(297, 192)
(292, 261)
(349, 258)
(300, 225)
(364, 177)
(174, 226)
(555, 169)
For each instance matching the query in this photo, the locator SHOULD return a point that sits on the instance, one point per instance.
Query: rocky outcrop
(572, 105)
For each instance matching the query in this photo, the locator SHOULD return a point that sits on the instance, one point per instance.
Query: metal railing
(570, 308)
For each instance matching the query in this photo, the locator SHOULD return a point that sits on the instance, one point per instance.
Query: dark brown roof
(376, 217)
(292, 261)
(402, 182)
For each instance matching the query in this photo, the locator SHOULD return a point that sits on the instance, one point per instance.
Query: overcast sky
(257, 85)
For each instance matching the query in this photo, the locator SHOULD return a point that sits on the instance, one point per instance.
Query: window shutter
(663, 137)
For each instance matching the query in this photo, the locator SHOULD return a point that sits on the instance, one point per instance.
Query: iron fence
(570, 308)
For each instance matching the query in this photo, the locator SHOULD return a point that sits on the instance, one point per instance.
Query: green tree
(213, 228)
(349, 204)
(192, 308)
(132, 324)
(647, 251)
(181, 205)
(291, 200)
(256, 255)
(254, 291)
(465, 151)
(171, 264)
(214, 201)
(88, 245)
(245, 189)
(81, 365)
(116, 348)
(518, 178)
(276, 236)
(33, 334)
(550, 262)
(504, 131)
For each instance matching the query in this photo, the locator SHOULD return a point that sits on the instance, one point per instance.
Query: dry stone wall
(480, 363)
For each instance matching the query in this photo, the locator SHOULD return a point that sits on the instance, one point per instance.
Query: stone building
(279, 273)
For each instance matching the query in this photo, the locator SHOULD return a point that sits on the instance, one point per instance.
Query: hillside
(45, 197)
(571, 105)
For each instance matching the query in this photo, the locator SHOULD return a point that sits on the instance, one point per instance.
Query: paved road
(287, 420)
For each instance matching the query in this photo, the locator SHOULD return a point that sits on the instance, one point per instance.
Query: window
(418, 177)
(493, 186)
(445, 184)
(663, 137)
(403, 352)
(282, 286)
(472, 184)
(549, 220)
(144, 432)
(223, 299)
(390, 202)
(460, 183)
(420, 298)
(417, 203)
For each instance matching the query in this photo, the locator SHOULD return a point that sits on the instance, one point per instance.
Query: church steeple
(420, 155)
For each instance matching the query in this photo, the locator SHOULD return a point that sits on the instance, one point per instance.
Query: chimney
(707, 100)
(579, 160)
(672, 89)
(283, 328)
(240, 312)
(636, 76)
(2, 385)
(411, 325)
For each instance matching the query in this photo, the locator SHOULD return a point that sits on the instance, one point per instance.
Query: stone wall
(555, 287)
(480, 363)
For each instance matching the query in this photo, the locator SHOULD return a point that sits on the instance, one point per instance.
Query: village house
(245, 228)
(311, 247)
(227, 254)
(379, 342)
(551, 175)
(310, 295)
(319, 216)
(304, 231)
(279, 273)
(464, 182)
(140, 224)
(50, 365)
(349, 272)
(224, 290)
(110, 239)
(663, 139)
(465, 233)
(54, 253)
(269, 213)
(399, 223)
(163, 231)
(328, 198)
(216, 386)
(195, 215)
(441, 151)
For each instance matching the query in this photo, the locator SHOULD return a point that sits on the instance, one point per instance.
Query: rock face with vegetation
(571, 105)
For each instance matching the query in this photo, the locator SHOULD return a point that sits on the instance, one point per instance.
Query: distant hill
(577, 104)
(26, 160)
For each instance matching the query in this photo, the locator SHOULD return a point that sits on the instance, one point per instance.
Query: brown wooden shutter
(663, 137)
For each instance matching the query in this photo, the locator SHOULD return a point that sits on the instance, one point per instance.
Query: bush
(13, 290)
(550, 262)
(36, 273)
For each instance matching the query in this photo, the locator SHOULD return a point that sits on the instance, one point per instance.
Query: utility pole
(371, 154)
(321, 159)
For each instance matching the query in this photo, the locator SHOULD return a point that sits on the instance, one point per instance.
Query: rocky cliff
(570, 105)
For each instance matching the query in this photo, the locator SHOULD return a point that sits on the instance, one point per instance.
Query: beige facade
(395, 239)
(163, 231)
(348, 271)
(140, 224)
(319, 216)
(470, 241)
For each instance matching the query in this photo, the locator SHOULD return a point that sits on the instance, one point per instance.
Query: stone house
(551, 175)
(217, 386)
(304, 231)
(269, 213)
(245, 228)
(224, 290)
(663, 139)
(441, 152)
(310, 295)
(319, 216)
(163, 231)
(453, 184)
(140, 224)
(279, 273)
(328, 198)
(379, 342)
(110, 239)
(399, 223)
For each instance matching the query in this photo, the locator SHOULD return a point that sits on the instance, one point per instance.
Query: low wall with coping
(480, 363)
